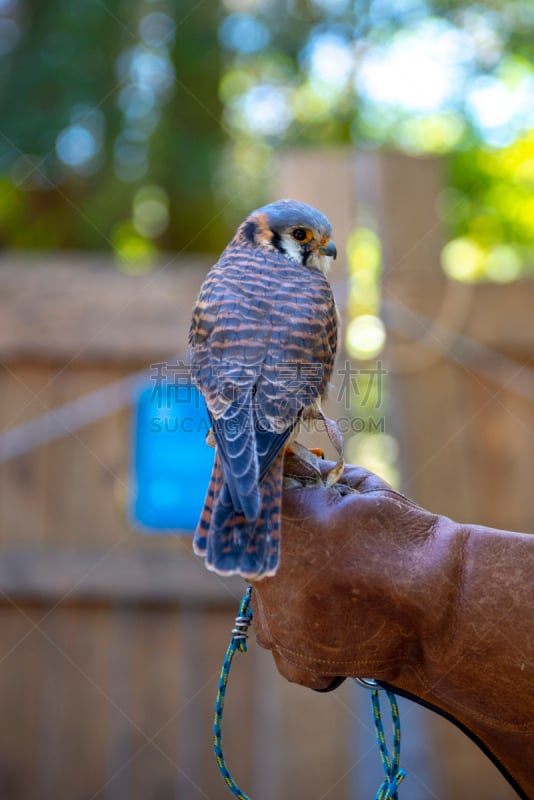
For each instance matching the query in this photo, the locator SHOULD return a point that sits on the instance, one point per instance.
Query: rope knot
(240, 631)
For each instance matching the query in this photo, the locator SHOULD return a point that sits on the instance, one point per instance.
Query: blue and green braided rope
(238, 642)
(391, 764)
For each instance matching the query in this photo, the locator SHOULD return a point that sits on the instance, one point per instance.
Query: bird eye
(300, 234)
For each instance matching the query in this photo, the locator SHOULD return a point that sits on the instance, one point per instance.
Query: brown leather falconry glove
(371, 585)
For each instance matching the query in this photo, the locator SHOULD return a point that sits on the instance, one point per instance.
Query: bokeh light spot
(233, 83)
(135, 253)
(377, 452)
(329, 59)
(151, 70)
(364, 253)
(131, 162)
(244, 33)
(76, 145)
(265, 110)
(157, 29)
(463, 259)
(136, 101)
(419, 70)
(503, 264)
(366, 336)
(151, 211)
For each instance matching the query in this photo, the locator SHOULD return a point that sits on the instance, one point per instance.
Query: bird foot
(335, 474)
(210, 438)
(317, 451)
(303, 471)
(334, 434)
(304, 463)
(302, 466)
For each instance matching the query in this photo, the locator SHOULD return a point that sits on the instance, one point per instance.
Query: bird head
(295, 229)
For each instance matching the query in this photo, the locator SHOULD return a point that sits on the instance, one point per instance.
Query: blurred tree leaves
(428, 77)
(143, 126)
(71, 128)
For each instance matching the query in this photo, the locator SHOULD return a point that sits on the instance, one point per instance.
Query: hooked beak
(329, 249)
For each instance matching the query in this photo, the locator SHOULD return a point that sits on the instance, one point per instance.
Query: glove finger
(358, 478)
(362, 480)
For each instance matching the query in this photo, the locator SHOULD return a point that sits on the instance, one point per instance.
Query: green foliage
(186, 102)
(72, 82)
(490, 211)
(437, 77)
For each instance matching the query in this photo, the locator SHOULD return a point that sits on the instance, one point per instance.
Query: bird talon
(335, 474)
(317, 451)
(307, 459)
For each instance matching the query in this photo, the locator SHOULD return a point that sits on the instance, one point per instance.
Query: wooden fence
(111, 640)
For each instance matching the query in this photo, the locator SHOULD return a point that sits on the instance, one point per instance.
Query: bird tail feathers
(233, 544)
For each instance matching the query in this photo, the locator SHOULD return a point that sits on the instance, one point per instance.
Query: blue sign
(171, 461)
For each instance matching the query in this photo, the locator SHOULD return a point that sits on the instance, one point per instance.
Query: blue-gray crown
(284, 214)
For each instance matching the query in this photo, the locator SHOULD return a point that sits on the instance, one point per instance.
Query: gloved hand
(371, 585)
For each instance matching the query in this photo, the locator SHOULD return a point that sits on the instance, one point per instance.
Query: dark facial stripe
(306, 252)
(249, 231)
(277, 242)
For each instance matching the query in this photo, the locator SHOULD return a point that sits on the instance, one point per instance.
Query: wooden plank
(196, 687)
(400, 192)
(51, 700)
(265, 724)
(313, 761)
(436, 439)
(55, 575)
(154, 676)
(81, 699)
(88, 471)
(518, 514)
(77, 306)
(501, 316)
(19, 700)
(503, 458)
(25, 392)
(416, 342)
(120, 735)
(497, 316)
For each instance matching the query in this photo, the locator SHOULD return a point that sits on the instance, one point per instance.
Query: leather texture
(371, 585)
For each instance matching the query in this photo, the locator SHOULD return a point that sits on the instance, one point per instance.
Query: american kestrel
(262, 346)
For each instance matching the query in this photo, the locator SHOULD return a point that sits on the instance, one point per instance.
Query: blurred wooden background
(111, 641)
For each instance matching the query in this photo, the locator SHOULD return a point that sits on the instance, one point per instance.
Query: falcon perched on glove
(263, 341)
